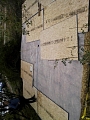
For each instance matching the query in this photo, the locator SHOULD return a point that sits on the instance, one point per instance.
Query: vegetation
(10, 54)
(10, 48)
(85, 92)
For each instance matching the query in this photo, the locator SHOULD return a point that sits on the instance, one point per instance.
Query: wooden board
(27, 76)
(47, 108)
(60, 41)
(29, 8)
(45, 3)
(61, 10)
(35, 28)
(26, 73)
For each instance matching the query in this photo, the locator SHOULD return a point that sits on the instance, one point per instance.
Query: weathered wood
(60, 41)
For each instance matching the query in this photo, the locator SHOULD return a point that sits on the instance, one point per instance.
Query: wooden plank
(29, 8)
(30, 3)
(28, 91)
(35, 28)
(60, 41)
(45, 3)
(59, 11)
(47, 108)
(27, 76)
(26, 72)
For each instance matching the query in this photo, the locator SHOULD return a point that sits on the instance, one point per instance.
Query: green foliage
(86, 58)
(10, 63)
(10, 56)
(10, 51)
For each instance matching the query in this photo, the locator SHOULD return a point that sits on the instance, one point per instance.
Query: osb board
(28, 90)
(23, 13)
(45, 3)
(82, 25)
(35, 28)
(61, 10)
(30, 3)
(60, 41)
(48, 110)
(30, 9)
(26, 71)
(27, 76)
